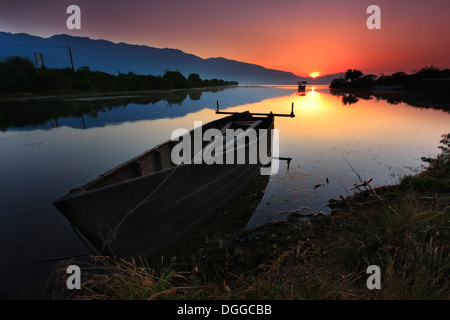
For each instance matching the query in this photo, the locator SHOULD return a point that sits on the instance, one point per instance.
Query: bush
(19, 75)
(429, 185)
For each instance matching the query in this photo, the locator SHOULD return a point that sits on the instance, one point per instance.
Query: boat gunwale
(88, 185)
(86, 189)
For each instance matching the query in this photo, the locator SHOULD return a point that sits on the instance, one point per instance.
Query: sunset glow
(284, 35)
(314, 74)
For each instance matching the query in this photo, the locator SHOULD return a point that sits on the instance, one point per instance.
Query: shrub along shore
(403, 229)
(19, 77)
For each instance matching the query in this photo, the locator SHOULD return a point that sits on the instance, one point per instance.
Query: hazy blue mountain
(113, 58)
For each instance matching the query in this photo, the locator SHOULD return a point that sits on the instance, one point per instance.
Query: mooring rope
(111, 234)
(82, 239)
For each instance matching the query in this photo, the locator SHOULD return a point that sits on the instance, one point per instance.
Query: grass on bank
(403, 229)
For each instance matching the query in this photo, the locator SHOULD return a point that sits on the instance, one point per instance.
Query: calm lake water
(50, 147)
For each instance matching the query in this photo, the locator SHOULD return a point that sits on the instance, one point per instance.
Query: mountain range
(106, 56)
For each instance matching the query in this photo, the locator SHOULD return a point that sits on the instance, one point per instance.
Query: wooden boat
(146, 204)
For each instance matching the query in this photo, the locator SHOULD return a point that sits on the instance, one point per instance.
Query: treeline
(18, 75)
(426, 76)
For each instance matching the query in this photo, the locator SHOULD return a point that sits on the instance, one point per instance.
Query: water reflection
(349, 98)
(419, 99)
(45, 154)
(379, 141)
(225, 225)
(98, 111)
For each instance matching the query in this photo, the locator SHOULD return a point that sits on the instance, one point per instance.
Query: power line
(31, 46)
(45, 47)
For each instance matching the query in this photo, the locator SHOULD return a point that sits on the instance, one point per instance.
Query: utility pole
(71, 60)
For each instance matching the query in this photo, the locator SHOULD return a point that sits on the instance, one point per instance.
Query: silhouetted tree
(352, 75)
(431, 72)
(338, 82)
(194, 80)
(176, 79)
(19, 75)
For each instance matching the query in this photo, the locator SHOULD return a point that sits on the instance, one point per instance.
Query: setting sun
(314, 74)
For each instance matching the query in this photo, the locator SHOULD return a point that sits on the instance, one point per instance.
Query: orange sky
(326, 36)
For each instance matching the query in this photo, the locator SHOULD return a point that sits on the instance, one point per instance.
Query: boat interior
(159, 158)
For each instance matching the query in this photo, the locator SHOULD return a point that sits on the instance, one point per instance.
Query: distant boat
(301, 85)
(148, 203)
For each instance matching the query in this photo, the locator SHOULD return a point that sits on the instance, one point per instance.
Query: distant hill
(113, 58)
(325, 79)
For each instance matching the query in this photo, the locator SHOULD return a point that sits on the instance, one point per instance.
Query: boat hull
(142, 216)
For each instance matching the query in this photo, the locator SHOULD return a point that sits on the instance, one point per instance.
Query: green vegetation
(427, 76)
(19, 76)
(403, 229)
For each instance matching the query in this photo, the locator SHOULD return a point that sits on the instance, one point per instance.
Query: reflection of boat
(301, 85)
(223, 226)
(148, 203)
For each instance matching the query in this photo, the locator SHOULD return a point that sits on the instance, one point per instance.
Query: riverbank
(107, 94)
(22, 78)
(402, 229)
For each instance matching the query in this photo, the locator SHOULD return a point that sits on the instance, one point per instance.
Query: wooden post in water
(292, 115)
(84, 123)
